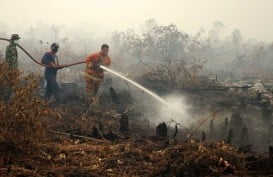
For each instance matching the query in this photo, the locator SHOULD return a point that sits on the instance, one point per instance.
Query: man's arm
(89, 60)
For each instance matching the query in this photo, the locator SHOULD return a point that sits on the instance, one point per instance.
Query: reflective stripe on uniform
(92, 77)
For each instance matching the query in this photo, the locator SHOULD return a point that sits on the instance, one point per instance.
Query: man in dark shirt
(51, 60)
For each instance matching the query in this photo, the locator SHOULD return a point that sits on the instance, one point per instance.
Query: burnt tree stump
(175, 132)
(225, 128)
(244, 136)
(267, 113)
(203, 136)
(113, 94)
(230, 136)
(211, 129)
(100, 126)
(236, 124)
(95, 132)
(270, 133)
(270, 152)
(124, 123)
(226, 123)
(161, 130)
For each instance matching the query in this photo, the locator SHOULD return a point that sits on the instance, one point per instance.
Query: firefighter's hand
(96, 66)
(90, 65)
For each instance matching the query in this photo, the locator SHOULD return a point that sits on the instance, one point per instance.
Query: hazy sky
(252, 17)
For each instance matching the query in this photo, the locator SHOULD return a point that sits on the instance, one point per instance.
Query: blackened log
(203, 136)
(230, 136)
(124, 123)
(113, 94)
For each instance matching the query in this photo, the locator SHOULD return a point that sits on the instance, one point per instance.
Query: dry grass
(20, 117)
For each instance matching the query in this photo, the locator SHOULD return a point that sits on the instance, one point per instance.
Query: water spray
(136, 84)
(169, 106)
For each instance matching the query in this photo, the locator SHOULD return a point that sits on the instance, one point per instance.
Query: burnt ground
(93, 143)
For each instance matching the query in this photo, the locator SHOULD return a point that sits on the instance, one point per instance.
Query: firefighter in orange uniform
(94, 74)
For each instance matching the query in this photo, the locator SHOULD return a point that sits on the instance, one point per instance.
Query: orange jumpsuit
(93, 76)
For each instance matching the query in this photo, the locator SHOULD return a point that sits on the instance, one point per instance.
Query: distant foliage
(171, 56)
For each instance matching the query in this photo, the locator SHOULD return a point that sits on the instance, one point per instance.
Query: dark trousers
(52, 87)
(6, 94)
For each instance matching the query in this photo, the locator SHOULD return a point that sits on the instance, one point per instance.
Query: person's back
(11, 54)
(11, 58)
(48, 59)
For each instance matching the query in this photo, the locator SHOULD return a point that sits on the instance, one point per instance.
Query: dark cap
(15, 37)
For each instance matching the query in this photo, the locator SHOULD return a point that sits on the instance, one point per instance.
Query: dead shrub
(21, 117)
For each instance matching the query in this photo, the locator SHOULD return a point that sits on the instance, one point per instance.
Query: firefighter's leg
(89, 92)
(48, 90)
(55, 89)
(95, 99)
(92, 88)
(7, 93)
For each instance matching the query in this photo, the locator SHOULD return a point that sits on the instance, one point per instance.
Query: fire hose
(41, 64)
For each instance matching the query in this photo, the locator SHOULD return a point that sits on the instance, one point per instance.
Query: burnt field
(207, 110)
(228, 133)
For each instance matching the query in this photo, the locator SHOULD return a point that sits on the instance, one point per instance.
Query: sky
(252, 17)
